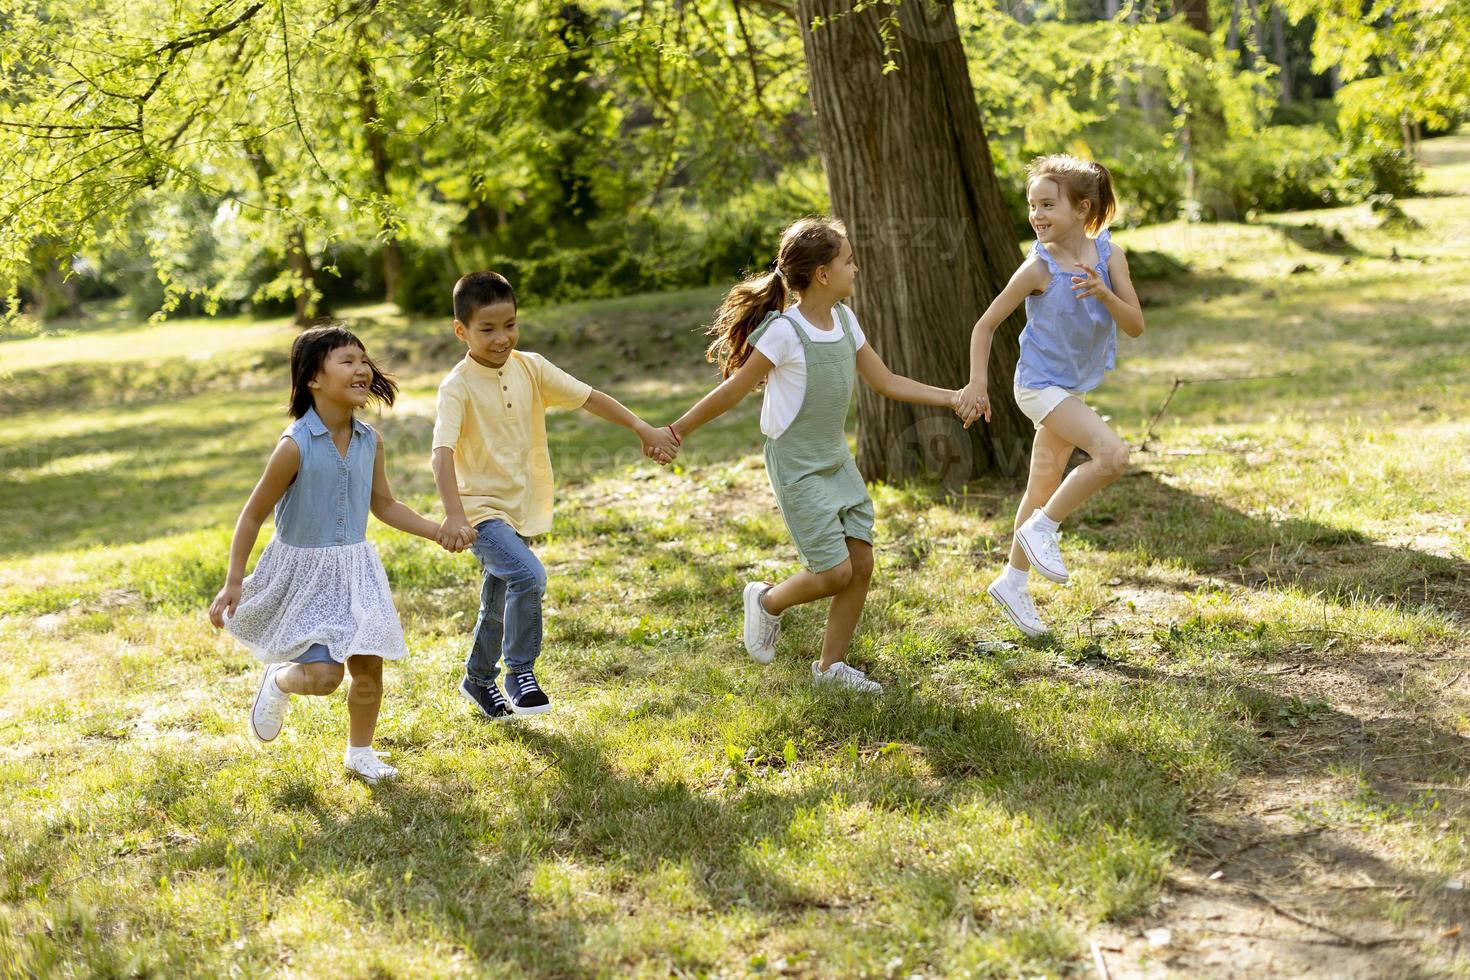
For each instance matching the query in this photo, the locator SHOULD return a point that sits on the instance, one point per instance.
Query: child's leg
(317, 679)
(508, 558)
(483, 662)
(1074, 422)
(847, 605)
(1049, 456)
(804, 587)
(364, 698)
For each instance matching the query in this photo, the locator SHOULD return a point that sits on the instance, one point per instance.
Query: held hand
(971, 403)
(660, 445)
(1089, 283)
(224, 605)
(455, 535)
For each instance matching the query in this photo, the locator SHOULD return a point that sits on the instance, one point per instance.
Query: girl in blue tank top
(1077, 293)
(318, 598)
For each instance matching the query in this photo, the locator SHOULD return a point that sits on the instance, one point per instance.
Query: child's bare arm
(456, 527)
(882, 380)
(658, 444)
(280, 470)
(1032, 276)
(1122, 300)
(726, 396)
(392, 511)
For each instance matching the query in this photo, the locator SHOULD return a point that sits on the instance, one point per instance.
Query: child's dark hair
(1080, 180)
(806, 246)
(479, 289)
(309, 352)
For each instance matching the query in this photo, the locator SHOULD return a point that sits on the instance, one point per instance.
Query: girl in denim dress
(1077, 291)
(318, 598)
(808, 350)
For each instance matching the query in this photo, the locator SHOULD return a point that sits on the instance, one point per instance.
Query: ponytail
(744, 307)
(806, 246)
(1106, 204)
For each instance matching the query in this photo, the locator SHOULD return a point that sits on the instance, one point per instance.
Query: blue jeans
(509, 625)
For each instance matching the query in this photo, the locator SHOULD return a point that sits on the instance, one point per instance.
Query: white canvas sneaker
(761, 628)
(268, 713)
(842, 675)
(1017, 605)
(1042, 550)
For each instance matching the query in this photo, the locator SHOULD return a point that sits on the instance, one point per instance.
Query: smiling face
(1053, 217)
(345, 377)
(491, 333)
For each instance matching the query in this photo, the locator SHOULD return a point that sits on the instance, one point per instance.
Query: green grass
(684, 811)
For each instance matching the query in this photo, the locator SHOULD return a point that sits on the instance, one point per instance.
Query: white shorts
(1038, 403)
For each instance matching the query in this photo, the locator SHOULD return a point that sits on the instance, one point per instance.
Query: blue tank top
(328, 502)
(1068, 342)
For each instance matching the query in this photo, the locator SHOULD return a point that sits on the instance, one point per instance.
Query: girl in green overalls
(807, 354)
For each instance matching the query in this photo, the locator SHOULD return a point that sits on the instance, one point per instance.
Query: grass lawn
(1249, 727)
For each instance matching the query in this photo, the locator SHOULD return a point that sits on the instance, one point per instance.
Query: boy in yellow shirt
(493, 471)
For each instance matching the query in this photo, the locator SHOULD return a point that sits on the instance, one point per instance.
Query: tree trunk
(298, 259)
(1283, 56)
(377, 144)
(910, 173)
(58, 296)
(1232, 34)
(1196, 14)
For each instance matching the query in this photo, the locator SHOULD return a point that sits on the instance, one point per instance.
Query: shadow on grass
(1342, 565)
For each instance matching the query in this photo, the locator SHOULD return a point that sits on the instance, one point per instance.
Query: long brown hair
(806, 246)
(1080, 180)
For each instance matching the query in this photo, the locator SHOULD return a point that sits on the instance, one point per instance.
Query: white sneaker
(268, 713)
(1042, 550)
(367, 765)
(1017, 605)
(844, 676)
(761, 628)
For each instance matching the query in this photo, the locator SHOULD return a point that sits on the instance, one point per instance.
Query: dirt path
(1291, 873)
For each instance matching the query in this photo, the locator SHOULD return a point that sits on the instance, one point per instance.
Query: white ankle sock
(1042, 522)
(1014, 577)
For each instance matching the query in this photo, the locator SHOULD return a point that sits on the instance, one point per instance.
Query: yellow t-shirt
(495, 421)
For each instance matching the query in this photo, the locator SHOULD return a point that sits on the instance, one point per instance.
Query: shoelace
(371, 765)
(770, 627)
(527, 682)
(1023, 598)
(274, 706)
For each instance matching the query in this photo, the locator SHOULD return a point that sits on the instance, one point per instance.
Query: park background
(1242, 751)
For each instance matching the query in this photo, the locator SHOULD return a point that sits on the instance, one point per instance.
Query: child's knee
(837, 578)
(365, 668)
(861, 560)
(1116, 459)
(321, 679)
(530, 579)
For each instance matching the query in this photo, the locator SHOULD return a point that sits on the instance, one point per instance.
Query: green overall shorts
(821, 494)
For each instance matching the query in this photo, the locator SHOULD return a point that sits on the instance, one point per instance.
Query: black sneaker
(488, 699)
(524, 695)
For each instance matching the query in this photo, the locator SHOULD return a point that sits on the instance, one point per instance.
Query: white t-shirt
(786, 384)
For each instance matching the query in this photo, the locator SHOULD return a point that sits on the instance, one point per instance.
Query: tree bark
(1283, 56)
(910, 173)
(298, 259)
(1196, 14)
(377, 144)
